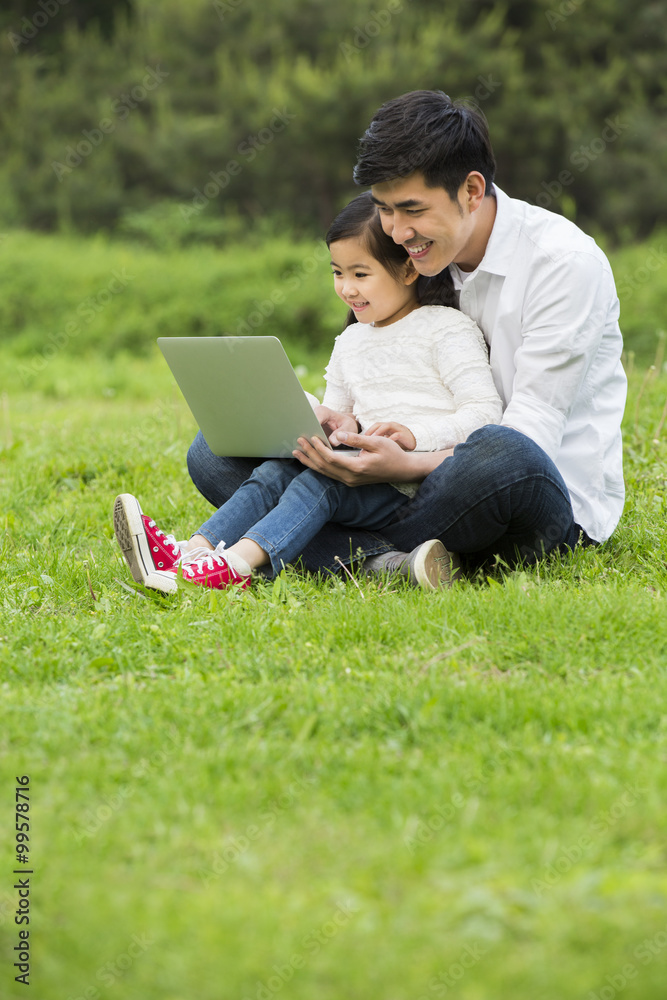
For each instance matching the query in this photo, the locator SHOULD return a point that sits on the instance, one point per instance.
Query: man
(543, 294)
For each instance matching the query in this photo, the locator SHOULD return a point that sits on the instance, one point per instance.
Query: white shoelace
(195, 560)
(177, 547)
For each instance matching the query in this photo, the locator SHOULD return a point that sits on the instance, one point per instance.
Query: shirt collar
(503, 238)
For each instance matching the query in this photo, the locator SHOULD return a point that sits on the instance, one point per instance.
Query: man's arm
(564, 320)
(380, 461)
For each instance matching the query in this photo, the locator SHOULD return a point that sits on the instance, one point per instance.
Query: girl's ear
(411, 273)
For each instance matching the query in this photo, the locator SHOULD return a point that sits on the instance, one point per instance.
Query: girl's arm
(337, 395)
(336, 414)
(463, 363)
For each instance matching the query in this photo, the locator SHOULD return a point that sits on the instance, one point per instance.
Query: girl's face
(375, 295)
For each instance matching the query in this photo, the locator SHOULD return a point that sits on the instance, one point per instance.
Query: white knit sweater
(429, 371)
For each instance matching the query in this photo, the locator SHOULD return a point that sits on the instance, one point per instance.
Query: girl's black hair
(360, 219)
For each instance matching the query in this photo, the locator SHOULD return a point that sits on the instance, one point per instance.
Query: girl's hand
(395, 432)
(334, 422)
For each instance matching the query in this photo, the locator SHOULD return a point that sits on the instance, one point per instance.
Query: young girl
(407, 366)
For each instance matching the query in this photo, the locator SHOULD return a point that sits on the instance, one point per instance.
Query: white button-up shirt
(545, 299)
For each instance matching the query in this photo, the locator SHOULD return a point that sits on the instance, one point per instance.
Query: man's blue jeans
(282, 506)
(498, 494)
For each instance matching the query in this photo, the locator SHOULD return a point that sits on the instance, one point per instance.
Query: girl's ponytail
(437, 290)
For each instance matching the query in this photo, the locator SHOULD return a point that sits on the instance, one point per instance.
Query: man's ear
(474, 189)
(411, 273)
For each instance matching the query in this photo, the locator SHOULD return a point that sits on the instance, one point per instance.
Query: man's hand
(334, 422)
(395, 432)
(381, 460)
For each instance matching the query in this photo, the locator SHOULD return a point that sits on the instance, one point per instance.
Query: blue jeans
(499, 494)
(282, 506)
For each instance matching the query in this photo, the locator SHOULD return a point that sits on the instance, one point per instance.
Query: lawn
(324, 787)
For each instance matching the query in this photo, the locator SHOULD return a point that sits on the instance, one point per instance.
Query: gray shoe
(429, 566)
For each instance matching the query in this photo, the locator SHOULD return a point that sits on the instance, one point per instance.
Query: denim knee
(194, 456)
(497, 444)
(276, 470)
(275, 474)
(216, 477)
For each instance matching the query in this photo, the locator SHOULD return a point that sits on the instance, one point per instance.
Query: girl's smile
(374, 294)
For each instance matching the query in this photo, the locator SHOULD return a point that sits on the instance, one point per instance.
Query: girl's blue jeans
(498, 494)
(282, 506)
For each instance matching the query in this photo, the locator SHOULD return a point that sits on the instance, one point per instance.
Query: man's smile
(419, 250)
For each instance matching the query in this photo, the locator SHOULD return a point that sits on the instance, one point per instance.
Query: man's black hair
(426, 131)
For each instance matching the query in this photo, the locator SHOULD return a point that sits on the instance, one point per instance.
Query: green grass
(320, 788)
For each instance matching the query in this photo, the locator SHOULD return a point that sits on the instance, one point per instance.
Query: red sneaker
(147, 549)
(211, 568)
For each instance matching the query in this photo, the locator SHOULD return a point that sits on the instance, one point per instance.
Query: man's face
(433, 229)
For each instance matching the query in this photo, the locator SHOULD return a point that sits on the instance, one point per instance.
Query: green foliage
(66, 296)
(271, 99)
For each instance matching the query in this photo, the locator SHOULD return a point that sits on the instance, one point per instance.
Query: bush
(82, 294)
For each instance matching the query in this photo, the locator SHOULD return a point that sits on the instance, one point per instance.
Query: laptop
(243, 393)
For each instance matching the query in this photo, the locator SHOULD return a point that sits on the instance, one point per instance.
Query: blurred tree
(48, 19)
(257, 109)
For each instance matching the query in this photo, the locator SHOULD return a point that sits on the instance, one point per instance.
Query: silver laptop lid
(243, 393)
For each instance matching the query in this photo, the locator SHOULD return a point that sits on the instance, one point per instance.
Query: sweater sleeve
(337, 395)
(463, 363)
